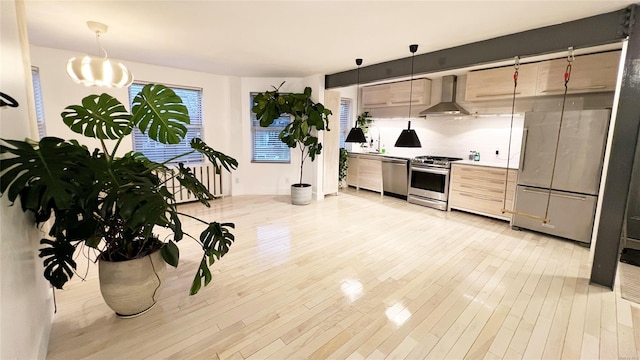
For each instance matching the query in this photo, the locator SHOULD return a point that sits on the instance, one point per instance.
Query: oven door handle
(440, 171)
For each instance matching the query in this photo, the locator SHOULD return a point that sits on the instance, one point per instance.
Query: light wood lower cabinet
(370, 174)
(365, 172)
(352, 170)
(481, 190)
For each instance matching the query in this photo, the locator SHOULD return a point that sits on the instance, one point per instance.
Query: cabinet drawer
(478, 182)
(485, 172)
(481, 189)
(570, 215)
(490, 189)
(468, 183)
(479, 203)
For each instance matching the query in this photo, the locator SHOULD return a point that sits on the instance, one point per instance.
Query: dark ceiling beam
(587, 32)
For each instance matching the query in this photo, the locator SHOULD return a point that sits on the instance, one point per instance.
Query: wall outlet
(237, 180)
(497, 151)
(286, 180)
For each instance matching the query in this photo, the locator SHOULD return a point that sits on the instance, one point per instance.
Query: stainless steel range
(429, 181)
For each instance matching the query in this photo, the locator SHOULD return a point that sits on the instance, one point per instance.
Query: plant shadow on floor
(283, 199)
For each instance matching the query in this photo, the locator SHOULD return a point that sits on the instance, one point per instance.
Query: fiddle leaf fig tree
(107, 201)
(308, 117)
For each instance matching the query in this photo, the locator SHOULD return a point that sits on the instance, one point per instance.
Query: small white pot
(301, 194)
(131, 288)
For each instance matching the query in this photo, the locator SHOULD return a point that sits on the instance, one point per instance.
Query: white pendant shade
(98, 71)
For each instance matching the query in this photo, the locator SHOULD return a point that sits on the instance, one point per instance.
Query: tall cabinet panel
(331, 144)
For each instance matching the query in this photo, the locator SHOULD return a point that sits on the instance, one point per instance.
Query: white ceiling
(287, 38)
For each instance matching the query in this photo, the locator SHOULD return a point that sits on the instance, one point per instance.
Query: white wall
(349, 92)
(454, 136)
(60, 91)
(26, 305)
(225, 109)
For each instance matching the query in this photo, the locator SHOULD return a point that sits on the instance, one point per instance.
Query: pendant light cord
(358, 63)
(100, 48)
(567, 77)
(413, 54)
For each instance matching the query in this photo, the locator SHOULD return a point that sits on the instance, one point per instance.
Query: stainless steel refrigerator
(576, 180)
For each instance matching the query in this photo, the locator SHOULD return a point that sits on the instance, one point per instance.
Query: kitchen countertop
(380, 155)
(497, 164)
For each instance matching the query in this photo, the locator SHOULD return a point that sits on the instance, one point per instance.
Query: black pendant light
(356, 135)
(408, 136)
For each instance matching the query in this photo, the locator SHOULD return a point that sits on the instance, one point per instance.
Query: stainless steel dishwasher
(395, 175)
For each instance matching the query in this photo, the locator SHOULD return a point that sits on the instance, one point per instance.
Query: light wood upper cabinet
(493, 84)
(397, 94)
(589, 73)
(375, 96)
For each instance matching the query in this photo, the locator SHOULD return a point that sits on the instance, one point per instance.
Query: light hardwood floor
(356, 276)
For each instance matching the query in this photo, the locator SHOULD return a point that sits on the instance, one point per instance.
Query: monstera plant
(113, 203)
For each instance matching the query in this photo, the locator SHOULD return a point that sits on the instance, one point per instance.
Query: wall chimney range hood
(447, 105)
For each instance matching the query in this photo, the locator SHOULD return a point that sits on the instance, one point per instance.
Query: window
(37, 93)
(265, 144)
(345, 119)
(159, 152)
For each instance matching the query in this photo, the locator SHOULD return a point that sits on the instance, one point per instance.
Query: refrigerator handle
(524, 148)
(555, 194)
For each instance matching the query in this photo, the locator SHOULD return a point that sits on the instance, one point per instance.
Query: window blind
(37, 92)
(159, 152)
(265, 144)
(345, 119)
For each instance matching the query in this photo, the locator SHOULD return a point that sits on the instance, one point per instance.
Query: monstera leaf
(217, 158)
(100, 116)
(158, 112)
(216, 240)
(58, 261)
(188, 180)
(46, 174)
(203, 274)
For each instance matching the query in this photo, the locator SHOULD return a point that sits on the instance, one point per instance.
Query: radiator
(207, 176)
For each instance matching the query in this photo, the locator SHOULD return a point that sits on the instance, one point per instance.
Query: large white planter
(301, 195)
(131, 288)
